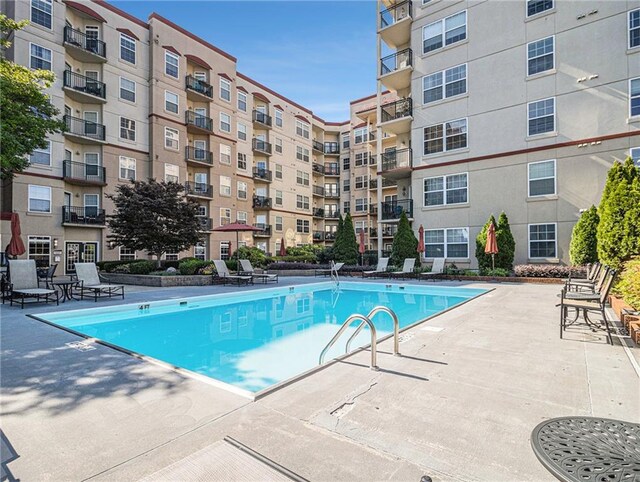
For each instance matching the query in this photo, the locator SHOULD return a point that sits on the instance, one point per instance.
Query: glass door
(200, 150)
(91, 123)
(79, 252)
(92, 166)
(200, 179)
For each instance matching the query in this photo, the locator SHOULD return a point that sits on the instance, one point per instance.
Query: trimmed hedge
(628, 285)
(192, 266)
(548, 271)
(142, 267)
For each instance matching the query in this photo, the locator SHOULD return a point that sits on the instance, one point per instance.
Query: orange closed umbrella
(492, 245)
(16, 246)
(361, 248)
(421, 240)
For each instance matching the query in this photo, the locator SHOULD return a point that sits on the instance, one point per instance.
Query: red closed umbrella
(283, 248)
(236, 228)
(361, 247)
(421, 240)
(492, 245)
(16, 246)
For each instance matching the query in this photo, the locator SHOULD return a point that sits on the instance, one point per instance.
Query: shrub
(548, 271)
(405, 243)
(164, 273)
(191, 266)
(142, 267)
(294, 265)
(121, 268)
(170, 264)
(306, 250)
(345, 247)
(628, 285)
(583, 248)
(326, 255)
(257, 257)
(498, 272)
(505, 241)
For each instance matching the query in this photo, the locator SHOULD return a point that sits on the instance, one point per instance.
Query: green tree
(345, 249)
(405, 243)
(583, 248)
(154, 217)
(505, 241)
(27, 116)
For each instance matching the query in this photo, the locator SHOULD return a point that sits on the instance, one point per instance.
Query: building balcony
(373, 209)
(261, 202)
(331, 149)
(397, 164)
(386, 183)
(392, 210)
(197, 156)
(265, 230)
(206, 224)
(262, 120)
(396, 116)
(331, 193)
(317, 146)
(83, 131)
(198, 123)
(261, 174)
(260, 146)
(318, 191)
(84, 89)
(317, 212)
(331, 214)
(329, 235)
(331, 170)
(198, 90)
(198, 189)
(83, 174)
(395, 70)
(317, 169)
(395, 24)
(89, 216)
(373, 232)
(84, 48)
(389, 231)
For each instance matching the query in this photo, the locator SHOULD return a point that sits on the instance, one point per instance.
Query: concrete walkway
(459, 404)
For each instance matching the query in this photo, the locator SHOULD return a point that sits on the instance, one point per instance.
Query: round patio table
(66, 288)
(588, 449)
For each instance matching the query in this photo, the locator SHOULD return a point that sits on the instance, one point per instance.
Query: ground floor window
(127, 254)
(225, 250)
(302, 225)
(200, 251)
(171, 256)
(542, 240)
(40, 250)
(446, 243)
(635, 155)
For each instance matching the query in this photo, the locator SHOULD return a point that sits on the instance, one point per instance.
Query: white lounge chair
(327, 272)
(222, 273)
(437, 269)
(407, 269)
(24, 283)
(381, 269)
(247, 269)
(87, 274)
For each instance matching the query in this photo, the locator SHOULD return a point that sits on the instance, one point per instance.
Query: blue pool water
(258, 338)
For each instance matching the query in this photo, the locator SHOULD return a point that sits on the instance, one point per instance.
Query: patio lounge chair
(327, 272)
(588, 294)
(406, 271)
(589, 285)
(380, 270)
(87, 275)
(247, 269)
(24, 283)
(222, 273)
(593, 274)
(437, 269)
(47, 274)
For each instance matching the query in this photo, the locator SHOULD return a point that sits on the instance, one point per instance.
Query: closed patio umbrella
(420, 240)
(361, 247)
(236, 228)
(492, 245)
(15, 246)
(283, 248)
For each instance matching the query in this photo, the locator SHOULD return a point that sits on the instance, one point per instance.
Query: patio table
(66, 288)
(586, 449)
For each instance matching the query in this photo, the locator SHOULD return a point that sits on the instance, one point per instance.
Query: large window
(302, 178)
(127, 48)
(444, 32)
(542, 240)
(127, 129)
(242, 101)
(40, 58)
(171, 173)
(542, 178)
(39, 199)
(242, 190)
(171, 64)
(40, 250)
(362, 205)
(127, 168)
(542, 116)
(634, 28)
(540, 56)
(41, 12)
(225, 122)
(171, 102)
(302, 129)
(242, 161)
(302, 202)
(535, 7)
(360, 135)
(450, 243)
(634, 97)
(41, 156)
(444, 190)
(128, 90)
(302, 225)
(126, 254)
(225, 89)
(171, 138)
(225, 186)
(362, 182)
(444, 84)
(445, 137)
(302, 153)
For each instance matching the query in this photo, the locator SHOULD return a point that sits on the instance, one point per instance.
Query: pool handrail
(396, 328)
(374, 356)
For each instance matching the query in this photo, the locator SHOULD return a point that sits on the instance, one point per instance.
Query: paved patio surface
(460, 404)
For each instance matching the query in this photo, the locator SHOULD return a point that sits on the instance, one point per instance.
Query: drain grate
(81, 345)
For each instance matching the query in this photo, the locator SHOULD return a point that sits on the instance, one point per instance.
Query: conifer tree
(405, 243)
(583, 248)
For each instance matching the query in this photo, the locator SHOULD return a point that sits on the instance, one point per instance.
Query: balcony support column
(379, 138)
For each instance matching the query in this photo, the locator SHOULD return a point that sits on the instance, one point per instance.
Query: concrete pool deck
(460, 404)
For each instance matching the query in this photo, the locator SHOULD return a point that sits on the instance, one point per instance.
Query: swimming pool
(255, 339)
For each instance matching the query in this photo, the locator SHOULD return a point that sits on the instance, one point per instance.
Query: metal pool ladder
(334, 275)
(365, 320)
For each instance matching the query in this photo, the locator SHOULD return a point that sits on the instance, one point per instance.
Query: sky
(320, 54)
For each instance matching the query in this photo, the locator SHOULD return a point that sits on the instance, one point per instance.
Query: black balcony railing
(317, 212)
(396, 61)
(82, 41)
(373, 209)
(198, 120)
(373, 183)
(80, 171)
(395, 13)
(317, 146)
(331, 170)
(331, 148)
(332, 192)
(89, 215)
(394, 209)
(261, 146)
(199, 86)
(396, 110)
(261, 202)
(84, 128)
(265, 230)
(84, 84)
(329, 235)
(199, 155)
(389, 232)
(206, 224)
(398, 159)
(319, 168)
(332, 214)
(318, 191)
(373, 232)
(262, 174)
(198, 189)
(318, 235)
(262, 118)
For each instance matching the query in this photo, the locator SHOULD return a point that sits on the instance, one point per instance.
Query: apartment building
(516, 106)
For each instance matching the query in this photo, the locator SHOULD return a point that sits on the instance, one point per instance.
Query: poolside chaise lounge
(24, 283)
(247, 269)
(222, 273)
(406, 271)
(437, 269)
(380, 270)
(87, 275)
(327, 271)
(589, 284)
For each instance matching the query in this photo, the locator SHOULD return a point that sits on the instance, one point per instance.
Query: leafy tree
(345, 248)
(405, 243)
(504, 239)
(154, 217)
(27, 116)
(583, 248)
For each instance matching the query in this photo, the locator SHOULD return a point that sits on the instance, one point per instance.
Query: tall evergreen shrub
(405, 243)
(583, 248)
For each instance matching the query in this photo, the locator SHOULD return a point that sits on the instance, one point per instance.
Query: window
(225, 250)
(126, 254)
(242, 161)
(127, 129)
(242, 190)
(302, 225)
(225, 89)
(302, 178)
(360, 135)
(346, 185)
(362, 205)
(171, 67)
(128, 90)
(41, 156)
(127, 168)
(225, 122)
(202, 210)
(302, 153)
(278, 115)
(634, 28)
(278, 171)
(278, 223)
(225, 186)
(445, 84)
(542, 116)
(241, 217)
(444, 32)
(171, 102)
(278, 145)
(278, 198)
(540, 56)
(225, 216)
(362, 182)
(535, 7)
(171, 256)
(542, 178)
(127, 48)
(634, 97)
(542, 240)
(331, 189)
(445, 137)
(242, 132)
(40, 250)
(40, 58)
(635, 155)
(346, 207)
(302, 202)
(302, 129)
(242, 101)
(346, 163)
(200, 251)
(41, 12)
(362, 159)
(39, 199)
(446, 243)
(225, 154)
(171, 138)
(345, 140)
(443, 190)
(171, 173)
